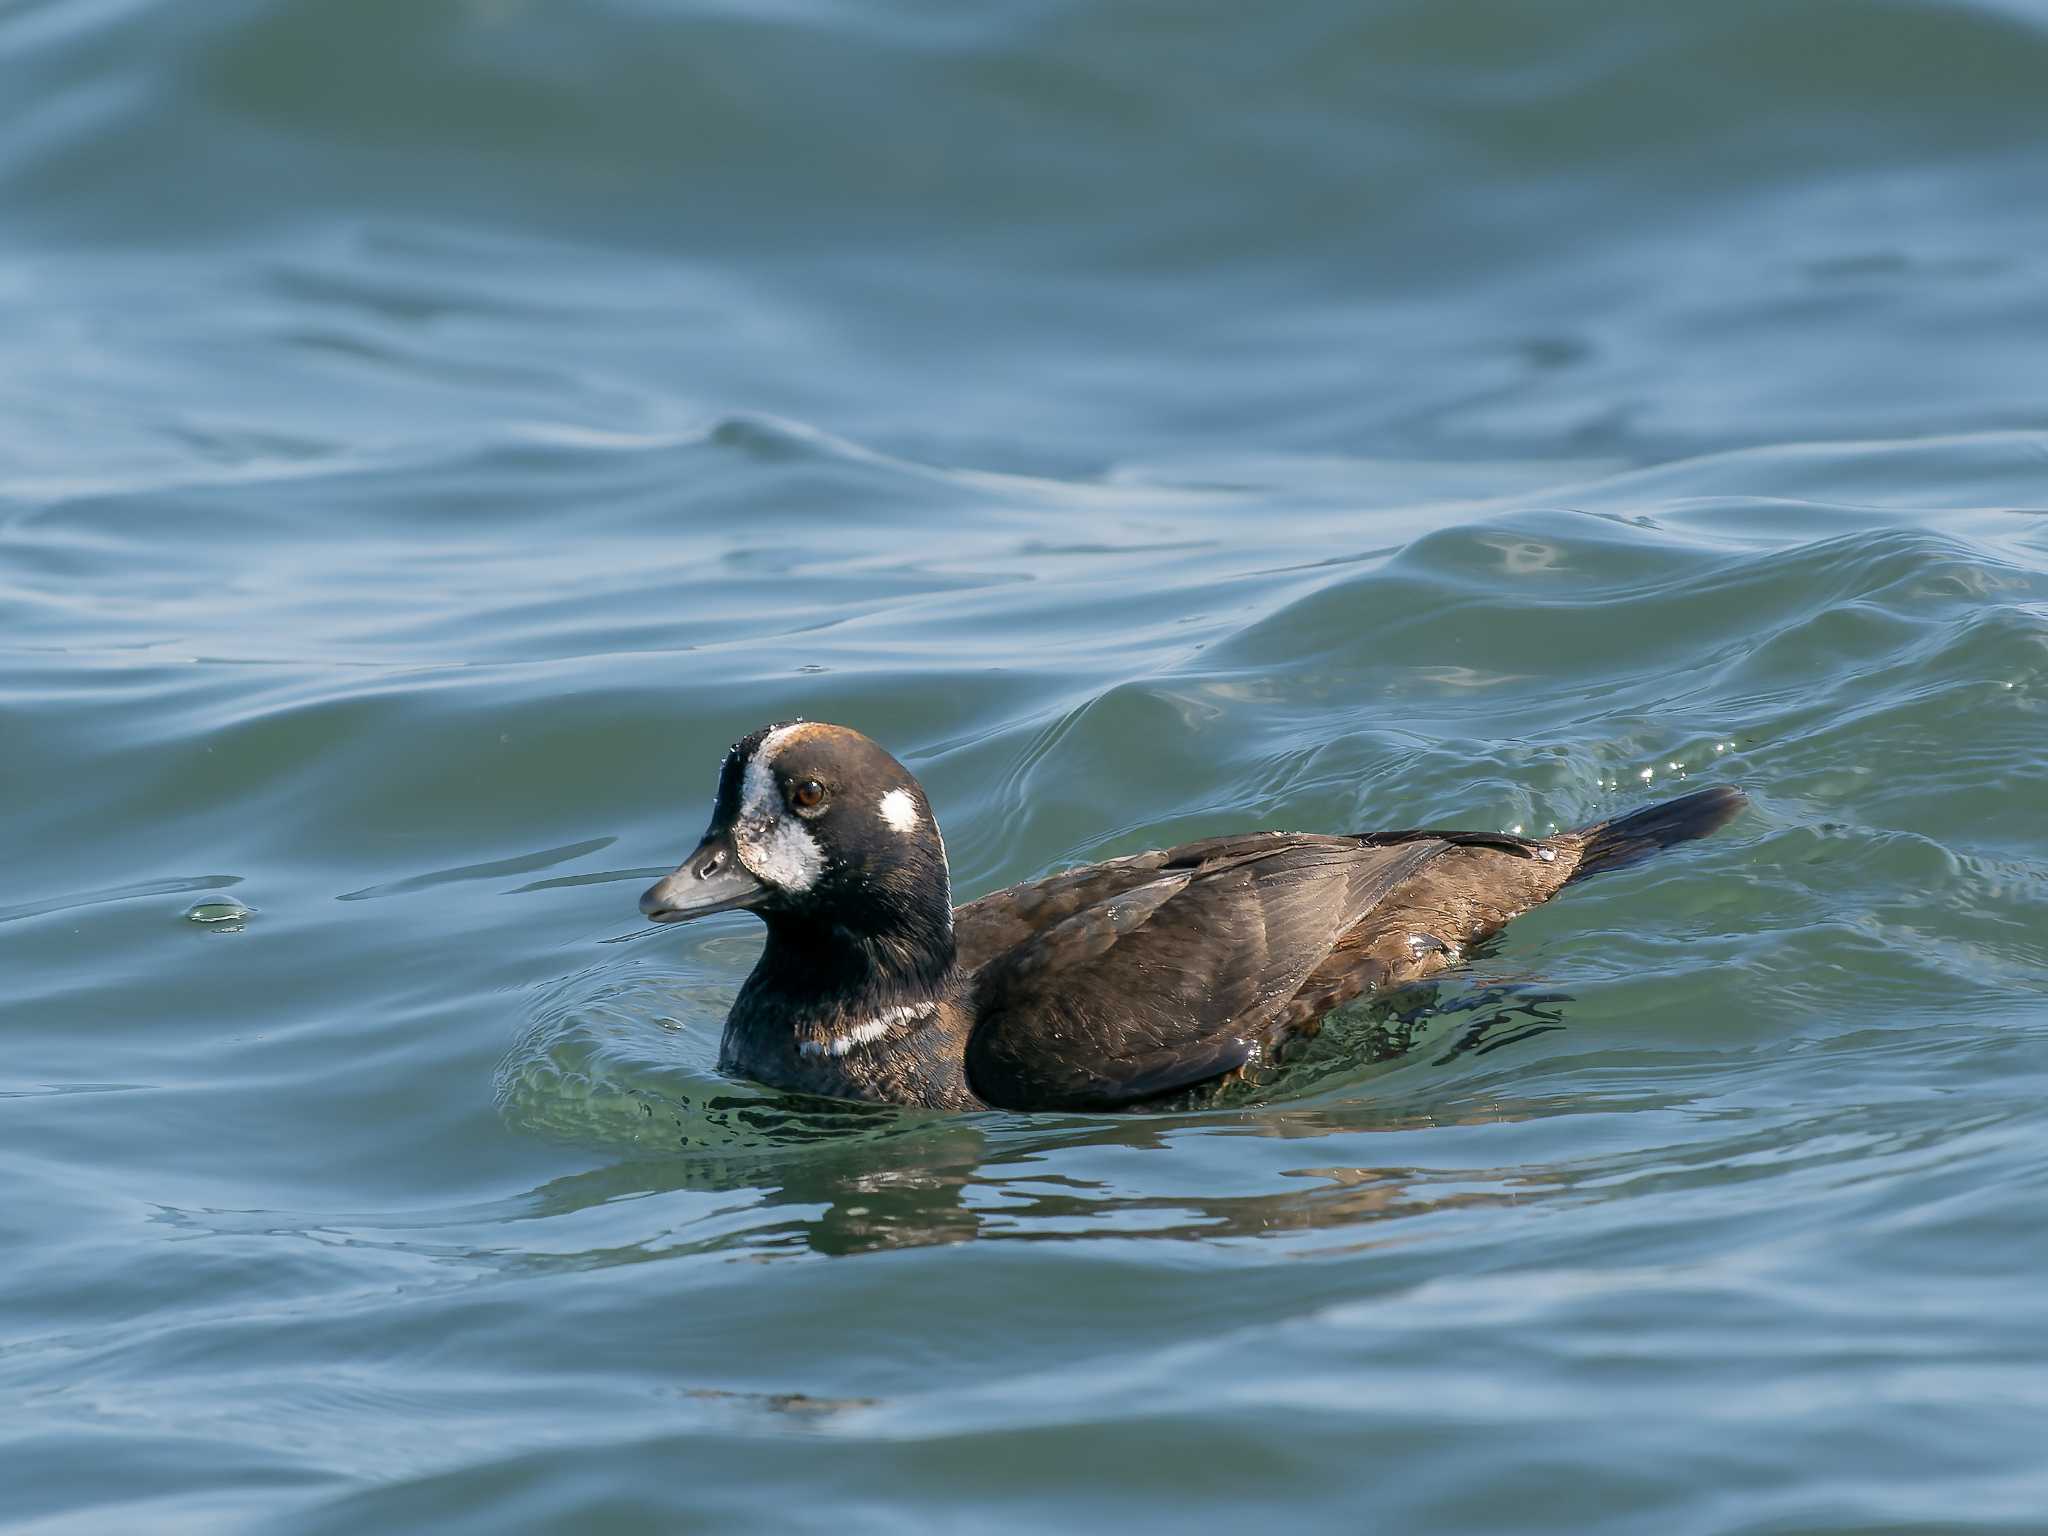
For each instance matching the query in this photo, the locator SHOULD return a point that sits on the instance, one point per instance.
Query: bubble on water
(220, 916)
(1647, 774)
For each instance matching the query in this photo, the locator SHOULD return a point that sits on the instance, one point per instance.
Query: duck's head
(814, 825)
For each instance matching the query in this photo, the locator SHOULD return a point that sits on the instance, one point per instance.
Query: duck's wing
(1003, 920)
(1159, 972)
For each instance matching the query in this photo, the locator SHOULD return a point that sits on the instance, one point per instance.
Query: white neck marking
(868, 1030)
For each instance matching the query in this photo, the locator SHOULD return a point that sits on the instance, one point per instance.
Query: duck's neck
(830, 966)
(857, 1015)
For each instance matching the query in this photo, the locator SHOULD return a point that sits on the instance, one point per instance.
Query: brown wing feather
(1004, 919)
(1171, 974)
(994, 924)
(1465, 895)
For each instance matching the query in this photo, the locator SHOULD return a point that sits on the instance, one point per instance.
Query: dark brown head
(815, 826)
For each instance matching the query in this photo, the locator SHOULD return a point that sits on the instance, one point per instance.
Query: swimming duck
(1102, 986)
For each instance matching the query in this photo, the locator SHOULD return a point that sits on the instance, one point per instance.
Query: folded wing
(1123, 981)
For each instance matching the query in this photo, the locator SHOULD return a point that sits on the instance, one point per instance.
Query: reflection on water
(830, 1177)
(1001, 1178)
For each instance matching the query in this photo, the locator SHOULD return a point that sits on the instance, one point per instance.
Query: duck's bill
(710, 880)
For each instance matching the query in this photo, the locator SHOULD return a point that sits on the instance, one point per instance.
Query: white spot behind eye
(899, 810)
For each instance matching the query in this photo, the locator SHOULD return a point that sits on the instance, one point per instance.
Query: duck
(1105, 986)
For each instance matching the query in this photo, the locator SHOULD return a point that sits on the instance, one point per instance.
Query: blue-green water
(429, 433)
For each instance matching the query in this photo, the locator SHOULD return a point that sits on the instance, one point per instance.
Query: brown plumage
(1098, 987)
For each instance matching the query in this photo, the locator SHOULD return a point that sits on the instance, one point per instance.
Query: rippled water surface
(430, 433)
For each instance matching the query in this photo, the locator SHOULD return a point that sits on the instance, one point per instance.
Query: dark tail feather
(1629, 839)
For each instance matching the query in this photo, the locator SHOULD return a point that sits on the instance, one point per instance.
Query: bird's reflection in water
(830, 1178)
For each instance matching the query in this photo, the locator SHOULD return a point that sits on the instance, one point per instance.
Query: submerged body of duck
(1098, 987)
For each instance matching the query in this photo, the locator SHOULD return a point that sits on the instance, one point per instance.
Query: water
(429, 434)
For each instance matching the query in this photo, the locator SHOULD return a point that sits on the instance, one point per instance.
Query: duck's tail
(1632, 838)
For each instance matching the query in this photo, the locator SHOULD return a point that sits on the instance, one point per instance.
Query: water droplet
(220, 916)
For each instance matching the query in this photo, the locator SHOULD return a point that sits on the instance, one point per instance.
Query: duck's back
(1118, 982)
(1112, 983)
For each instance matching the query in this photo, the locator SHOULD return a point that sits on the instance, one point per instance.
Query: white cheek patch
(783, 854)
(772, 844)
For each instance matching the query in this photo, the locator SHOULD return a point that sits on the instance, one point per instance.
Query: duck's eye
(808, 795)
